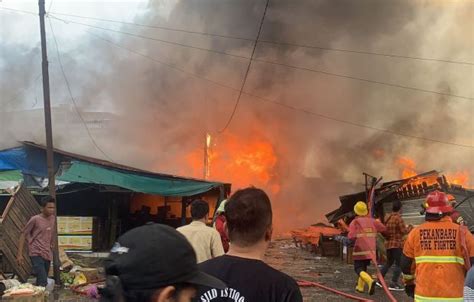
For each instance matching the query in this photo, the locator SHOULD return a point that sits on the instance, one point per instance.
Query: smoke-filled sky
(163, 100)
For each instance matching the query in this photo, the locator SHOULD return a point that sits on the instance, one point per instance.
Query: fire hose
(303, 283)
(381, 278)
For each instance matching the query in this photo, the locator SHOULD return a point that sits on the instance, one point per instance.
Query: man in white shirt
(205, 240)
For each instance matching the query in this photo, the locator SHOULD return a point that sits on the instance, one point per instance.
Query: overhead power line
(156, 27)
(248, 69)
(72, 97)
(280, 43)
(50, 5)
(285, 65)
(288, 44)
(19, 93)
(365, 80)
(153, 39)
(293, 108)
(342, 121)
(359, 125)
(18, 11)
(171, 66)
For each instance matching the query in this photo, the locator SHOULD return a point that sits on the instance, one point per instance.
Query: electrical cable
(155, 27)
(50, 6)
(19, 93)
(153, 39)
(247, 71)
(281, 43)
(293, 108)
(72, 97)
(359, 125)
(373, 53)
(365, 80)
(171, 66)
(18, 10)
(284, 65)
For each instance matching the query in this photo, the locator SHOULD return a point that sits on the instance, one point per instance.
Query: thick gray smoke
(161, 114)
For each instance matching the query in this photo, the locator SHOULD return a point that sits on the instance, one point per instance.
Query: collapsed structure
(411, 192)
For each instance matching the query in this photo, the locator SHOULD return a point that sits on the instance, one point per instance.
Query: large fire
(242, 161)
(408, 169)
(458, 178)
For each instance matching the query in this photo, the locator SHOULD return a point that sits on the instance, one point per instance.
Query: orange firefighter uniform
(440, 249)
(363, 230)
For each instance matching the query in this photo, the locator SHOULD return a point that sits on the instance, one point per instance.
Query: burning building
(411, 191)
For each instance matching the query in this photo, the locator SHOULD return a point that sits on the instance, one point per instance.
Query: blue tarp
(27, 159)
(31, 161)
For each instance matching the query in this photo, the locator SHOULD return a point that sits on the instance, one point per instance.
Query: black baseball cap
(154, 256)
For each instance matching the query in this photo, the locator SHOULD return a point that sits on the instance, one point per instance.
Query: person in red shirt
(363, 230)
(219, 224)
(39, 233)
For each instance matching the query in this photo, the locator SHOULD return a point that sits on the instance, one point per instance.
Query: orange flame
(458, 178)
(240, 161)
(408, 166)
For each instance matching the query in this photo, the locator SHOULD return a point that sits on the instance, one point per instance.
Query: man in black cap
(153, 263)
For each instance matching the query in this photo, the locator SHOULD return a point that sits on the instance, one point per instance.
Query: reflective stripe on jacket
(419, 298)
(435, 247)
(364, 230)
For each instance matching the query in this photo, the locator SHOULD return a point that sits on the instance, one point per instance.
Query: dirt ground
(301, 265)
(332, 272)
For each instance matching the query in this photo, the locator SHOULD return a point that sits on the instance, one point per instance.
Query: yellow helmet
(361, 208)
(221, 208)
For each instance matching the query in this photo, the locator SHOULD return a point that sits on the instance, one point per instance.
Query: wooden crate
(36, 298)
(329, 247)
(20, 208)
(349, 258)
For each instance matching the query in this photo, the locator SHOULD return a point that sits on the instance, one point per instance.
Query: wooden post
(49, 134)
(183, 210)
(113, 221)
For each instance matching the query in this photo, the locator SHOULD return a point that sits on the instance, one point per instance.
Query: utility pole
(207, 146)
(49, 135)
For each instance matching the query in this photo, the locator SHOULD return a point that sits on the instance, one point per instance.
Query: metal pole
(49, 134)
(206, 158)
(207, 145)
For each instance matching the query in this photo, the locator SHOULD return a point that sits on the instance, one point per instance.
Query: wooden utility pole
(49, 134)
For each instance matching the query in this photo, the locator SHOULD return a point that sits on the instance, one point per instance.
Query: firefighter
(437, 254)
(363, 229)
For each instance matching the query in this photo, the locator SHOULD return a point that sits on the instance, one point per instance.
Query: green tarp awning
(161, 185)
(10, 178)
(11, 175)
